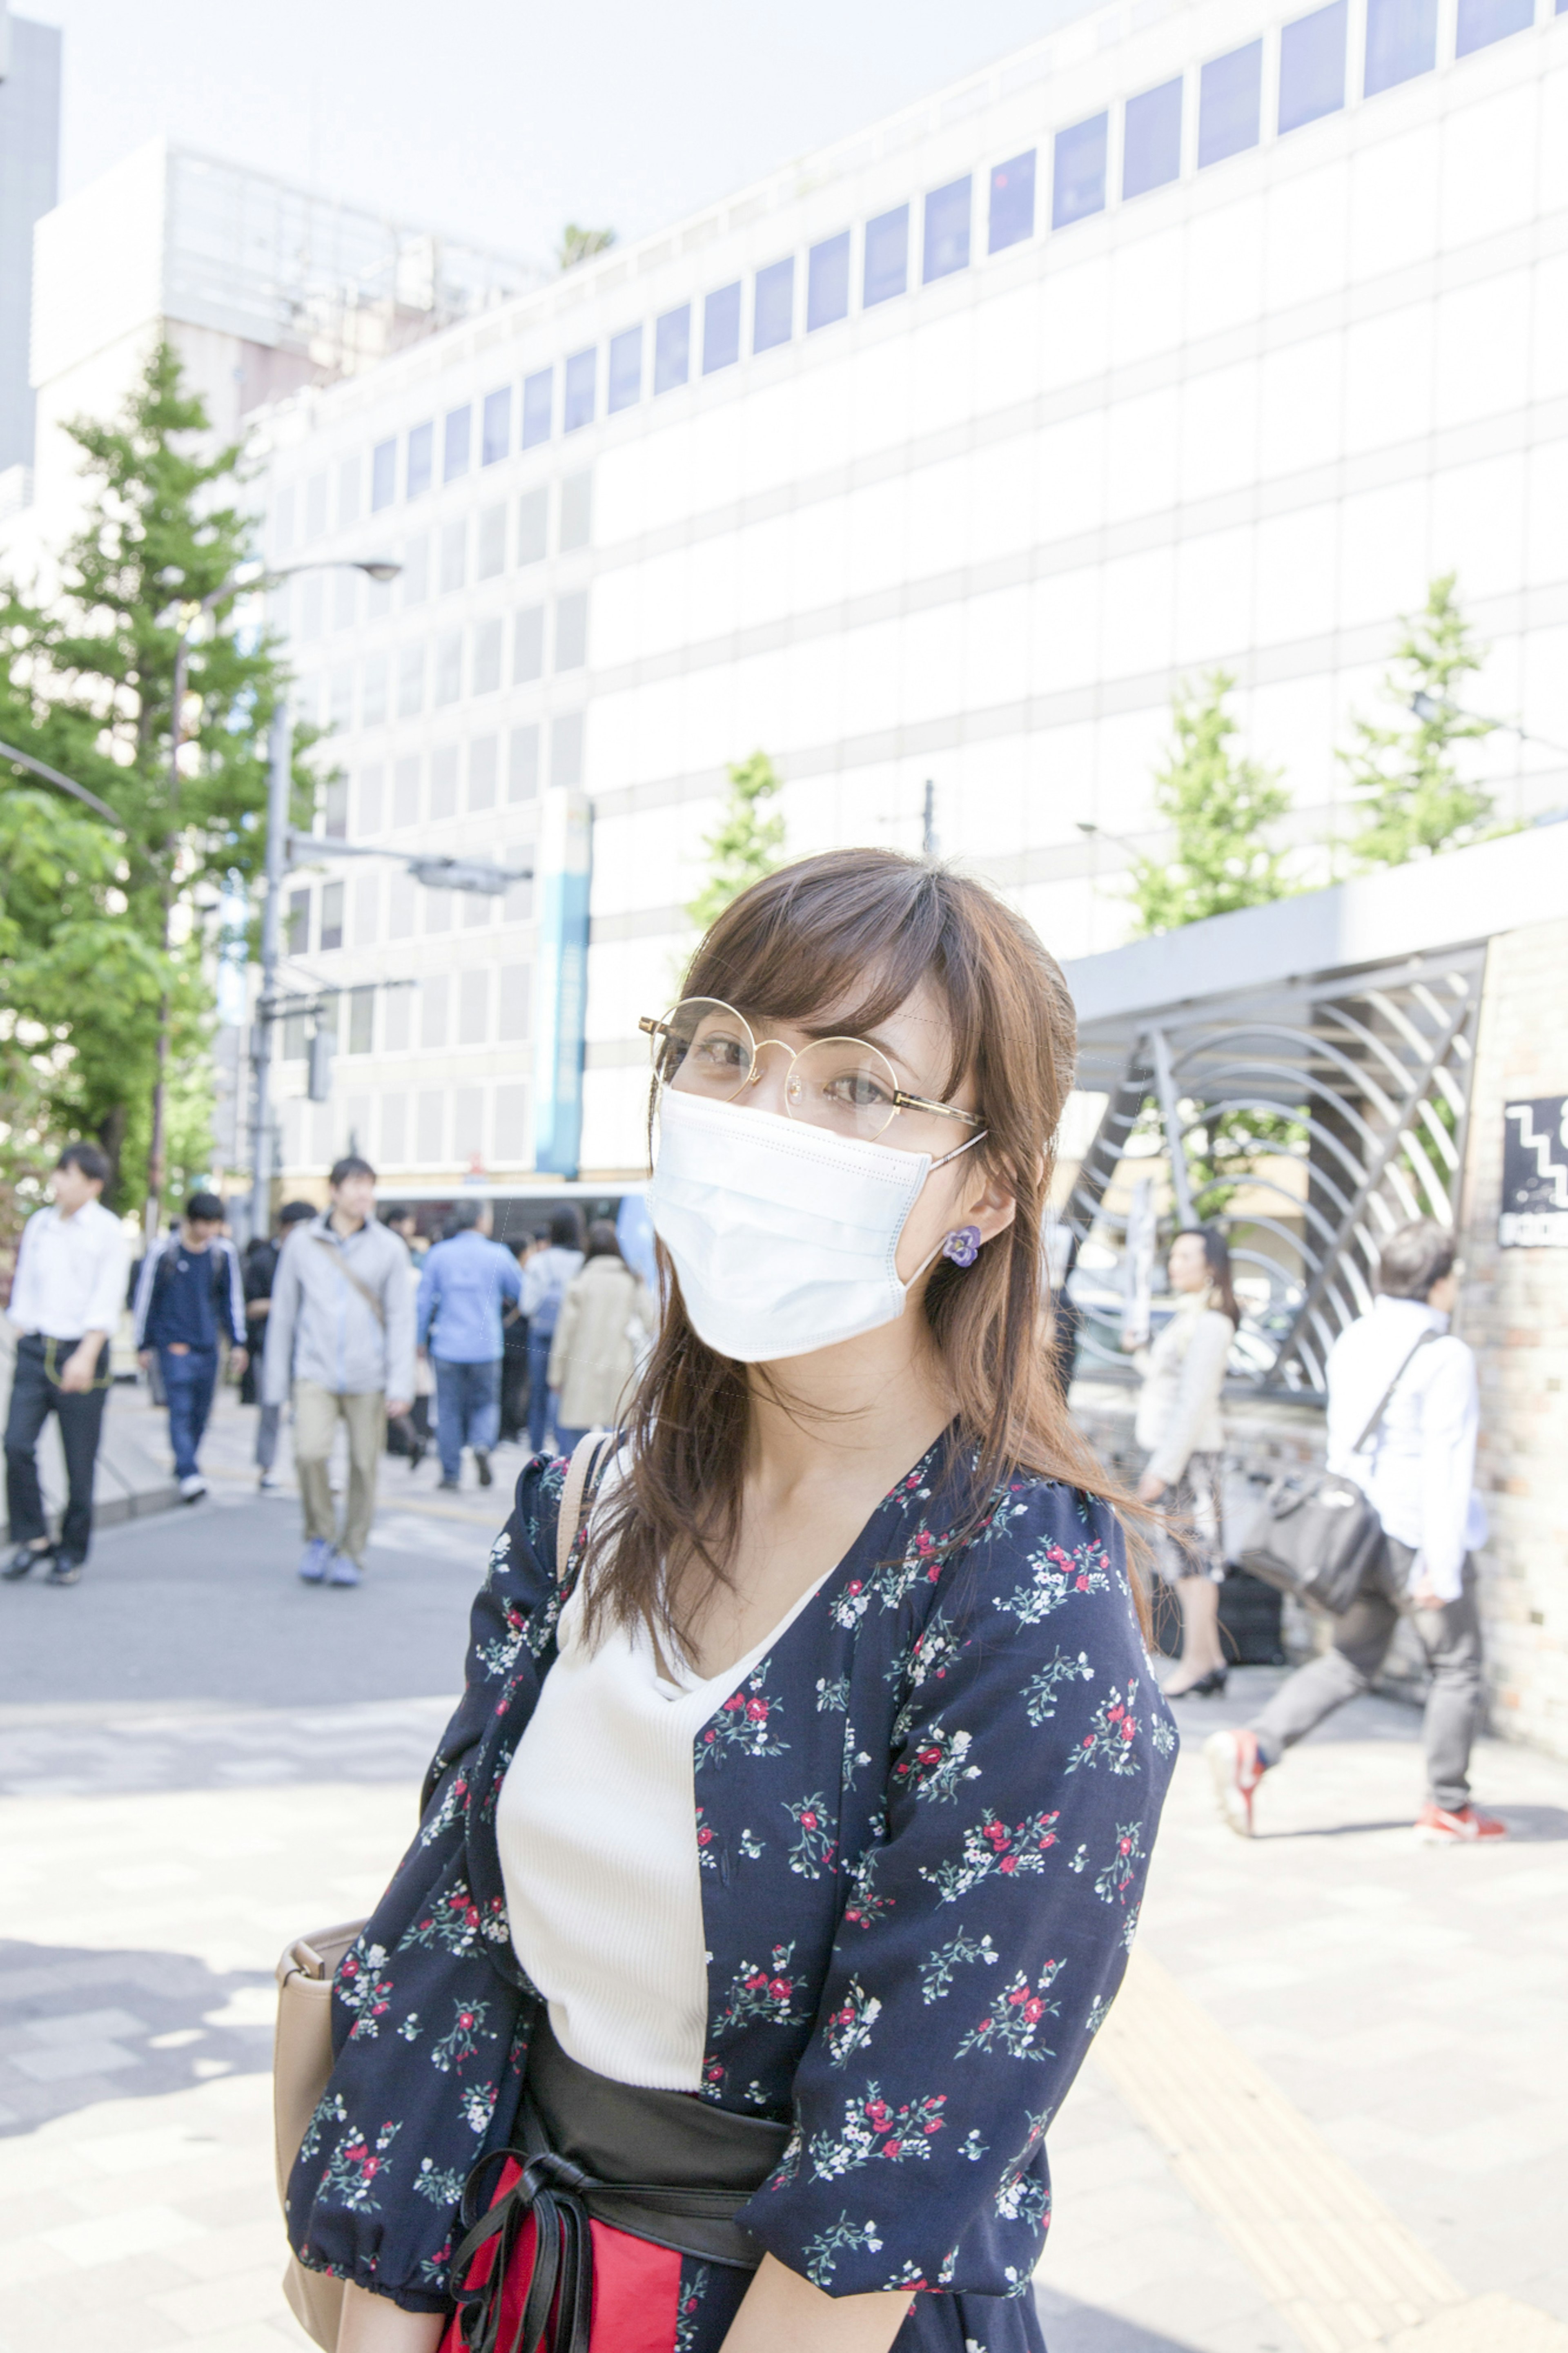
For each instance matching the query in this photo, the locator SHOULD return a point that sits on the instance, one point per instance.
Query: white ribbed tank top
(596, 1826)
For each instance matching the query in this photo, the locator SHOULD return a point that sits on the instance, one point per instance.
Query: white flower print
(939, 1970)
(815, 1844)
(938, 1765)
(990, 1845)
(1112, 1735)
(822, 2251)
(1054, 1576)
(1021, 2195)
(744, 1723)
(873, 2128)
(1040, 1691)
(1015, 2018)
(1120, 1874)
(848, 2028)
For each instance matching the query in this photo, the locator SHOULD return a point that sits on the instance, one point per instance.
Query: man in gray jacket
(342, 1330)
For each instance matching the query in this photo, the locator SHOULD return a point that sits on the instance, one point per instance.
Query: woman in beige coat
(1179, 1424)
(606, 1325)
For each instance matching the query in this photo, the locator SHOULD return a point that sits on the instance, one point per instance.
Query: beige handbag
(302, 2041)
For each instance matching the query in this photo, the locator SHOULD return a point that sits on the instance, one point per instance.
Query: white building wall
(976, 533)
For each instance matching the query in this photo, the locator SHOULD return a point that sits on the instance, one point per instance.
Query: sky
(499, 121)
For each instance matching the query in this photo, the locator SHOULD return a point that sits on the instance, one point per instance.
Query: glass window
(449, 667)
(513, 992)
(1400, 41)
(672, 349)
(721, 328)
(341, 699)
(372, 690)
(582, 387)
(487, 657)
(362, 1020)
(315, 506)
(495, 431)
(946, 231)
(1482, 21)
(490, 555)
(572, 631)
(335, 809)
(1151, 138)
(482, 773)
(537, 401)
(567, 749)
(421, 442)
(1012, 202)
(411, 681)
(1229, 93)
(454, 444)
(444, 783)
(454, 553)
(371, 790)
(886, 255)
(405, 793)
(430, 1120)
(827, 281)
(345, 597)
(313, 599)
(331, 916)
(626, 369)
(532, 515)
(415, 582)
(474, 1006)
(773, 309)
(1312, 65)
(283, 512)
(576, 510)
(297, 928)
(434, 995)
(348, 491)
(522, 763)
(1078, 172)
(527, 646)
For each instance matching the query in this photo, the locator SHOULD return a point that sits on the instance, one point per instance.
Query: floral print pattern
(949, 1768)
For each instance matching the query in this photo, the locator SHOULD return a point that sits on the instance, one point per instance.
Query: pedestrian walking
(783, 1855)
(545, 1282)
(259, 1274)
(466, 1283)
(190, 1297)
(341, 1333)
(604, 1331)
(66, 1297)
(514, 1357)
(1417, 1470)
(1180, 1425)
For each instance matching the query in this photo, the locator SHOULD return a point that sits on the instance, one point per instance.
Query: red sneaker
(1236, 1769)
(1464, 1826)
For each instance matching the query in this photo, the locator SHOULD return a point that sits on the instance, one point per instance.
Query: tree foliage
(578, 244)
(103, 930)
(1413, 802)
(748, 842)
(1219, 807)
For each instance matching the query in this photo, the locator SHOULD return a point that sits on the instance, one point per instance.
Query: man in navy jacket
(461, 1288)
(190, 1292)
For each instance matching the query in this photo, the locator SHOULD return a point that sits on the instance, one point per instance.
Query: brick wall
(1514, 1313)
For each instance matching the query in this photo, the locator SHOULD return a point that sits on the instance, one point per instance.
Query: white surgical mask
(785, 1236)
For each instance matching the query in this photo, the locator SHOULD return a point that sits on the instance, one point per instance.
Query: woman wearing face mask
(781, 1861)
(1179, 1423)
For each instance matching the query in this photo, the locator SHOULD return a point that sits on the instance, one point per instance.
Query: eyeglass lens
(704, 1047)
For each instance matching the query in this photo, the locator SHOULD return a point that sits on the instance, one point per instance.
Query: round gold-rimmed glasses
(703, 1047)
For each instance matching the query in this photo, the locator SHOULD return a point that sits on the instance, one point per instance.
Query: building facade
(29, 187)
(1197, 336)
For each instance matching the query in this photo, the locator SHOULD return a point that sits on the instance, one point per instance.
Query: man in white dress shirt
(67, 1296)
(1418, 1474)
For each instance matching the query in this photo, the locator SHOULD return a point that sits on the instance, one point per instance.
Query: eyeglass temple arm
(944, 1111)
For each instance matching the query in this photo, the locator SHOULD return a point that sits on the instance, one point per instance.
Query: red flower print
(780, 1989)
(1008, 1862)
(757, 1711)
(808, 1821)
(736, 1699)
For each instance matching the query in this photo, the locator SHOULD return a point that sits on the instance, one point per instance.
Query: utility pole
(279, 775)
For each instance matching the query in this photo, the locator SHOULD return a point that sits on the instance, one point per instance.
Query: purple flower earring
(963, 1246)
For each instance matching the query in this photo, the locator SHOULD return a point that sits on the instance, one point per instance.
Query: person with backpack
(545, 1282)
(465, 1281)
(340, 1332)
(190, 1293)
(1413, 1456)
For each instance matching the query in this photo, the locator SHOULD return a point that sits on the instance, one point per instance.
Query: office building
(29, 186)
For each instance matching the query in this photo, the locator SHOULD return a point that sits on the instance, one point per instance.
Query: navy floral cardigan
(923, 1823)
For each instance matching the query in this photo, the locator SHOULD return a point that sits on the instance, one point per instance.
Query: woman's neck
(863, 1410)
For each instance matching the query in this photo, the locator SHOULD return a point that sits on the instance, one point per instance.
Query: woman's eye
(858, 1091)
(719, 1054)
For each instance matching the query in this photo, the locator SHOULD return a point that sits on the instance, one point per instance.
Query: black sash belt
(663, 2166)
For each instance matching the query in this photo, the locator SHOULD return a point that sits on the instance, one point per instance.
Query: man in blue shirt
(457, 1318)
(188, 1292)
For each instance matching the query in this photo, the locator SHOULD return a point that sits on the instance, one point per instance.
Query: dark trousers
(468, 1410)
(188, 1385)
(540, 1404)
(514, 1390)
(34, 1397)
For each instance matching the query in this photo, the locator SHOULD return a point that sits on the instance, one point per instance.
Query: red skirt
(636, 2287)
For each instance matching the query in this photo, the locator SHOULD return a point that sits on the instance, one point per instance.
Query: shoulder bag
(302, 2039)
(1318, 1534)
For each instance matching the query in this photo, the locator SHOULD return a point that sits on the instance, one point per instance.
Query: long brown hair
(858, 930)
(1216, 1257)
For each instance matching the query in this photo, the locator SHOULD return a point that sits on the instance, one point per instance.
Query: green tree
(166, 529)
(1413, 802)
(1219, 807)
(748, 842)
(580, 245)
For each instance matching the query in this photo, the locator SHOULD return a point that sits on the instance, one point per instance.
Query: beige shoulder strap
(569, 1527)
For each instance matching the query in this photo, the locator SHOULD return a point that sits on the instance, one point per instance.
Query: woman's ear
(993, 1207)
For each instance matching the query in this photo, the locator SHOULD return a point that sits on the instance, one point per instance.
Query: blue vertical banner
(564, 873)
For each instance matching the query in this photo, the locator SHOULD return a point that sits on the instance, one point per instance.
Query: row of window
(333, 599)
(397, 796)
(431, 1128)
(458, 665)
(483, 1007)
(1401, 43)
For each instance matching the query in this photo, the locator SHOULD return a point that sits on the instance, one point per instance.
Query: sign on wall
(563, 868)
(1535, 1174)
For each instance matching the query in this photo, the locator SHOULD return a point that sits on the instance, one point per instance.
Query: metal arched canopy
(53, 776)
